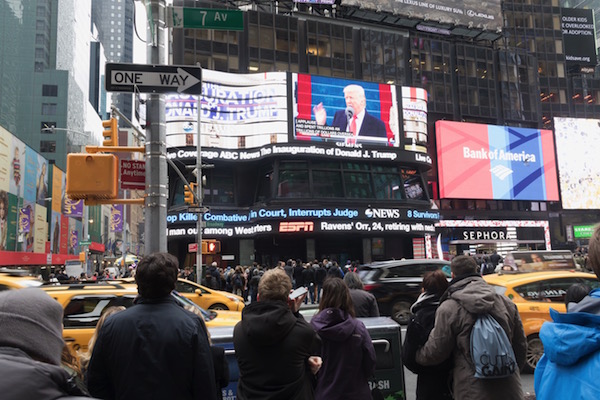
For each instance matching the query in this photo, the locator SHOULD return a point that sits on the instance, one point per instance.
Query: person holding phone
(274, 345)
(347, 350)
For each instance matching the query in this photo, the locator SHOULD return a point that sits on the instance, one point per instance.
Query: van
(388, 381)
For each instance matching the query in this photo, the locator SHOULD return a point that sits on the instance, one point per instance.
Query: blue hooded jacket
(571, 361)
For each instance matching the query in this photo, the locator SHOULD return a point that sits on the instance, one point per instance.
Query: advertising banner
(4, 224)
(41, 186)
(41, 229)
(414, 115)
(57, 188)
(577, 149)
(237, 111)
(483, 15)
(30, 176)
(477, 161)
(72, 208)
(74, 242)
(5, 148)
(116, 218)
(579, 37)
(55, 232)
(344, 111)
(64, 235)
(12, 221)
(17, 167)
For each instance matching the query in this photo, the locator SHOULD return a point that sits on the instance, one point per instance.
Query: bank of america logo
(501, 172)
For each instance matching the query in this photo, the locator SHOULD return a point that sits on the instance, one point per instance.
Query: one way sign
(153, 78)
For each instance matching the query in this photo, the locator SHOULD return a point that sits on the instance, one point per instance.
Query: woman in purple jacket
(347, 351)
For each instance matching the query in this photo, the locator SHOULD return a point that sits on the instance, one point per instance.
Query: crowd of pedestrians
(243, 280)
(158, 349)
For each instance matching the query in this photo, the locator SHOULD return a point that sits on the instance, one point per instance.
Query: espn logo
(296, 226)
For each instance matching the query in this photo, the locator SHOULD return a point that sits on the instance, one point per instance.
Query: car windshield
(499, 289)
(30, 282)
(184, 301)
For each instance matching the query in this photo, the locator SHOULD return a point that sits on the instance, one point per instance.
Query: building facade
(504, 66)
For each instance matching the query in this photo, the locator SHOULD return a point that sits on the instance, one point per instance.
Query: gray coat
(465, 298)
(365, 304)
(24, 378)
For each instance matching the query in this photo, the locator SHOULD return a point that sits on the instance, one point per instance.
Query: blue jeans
(311, 293)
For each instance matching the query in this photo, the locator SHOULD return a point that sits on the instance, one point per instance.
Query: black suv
(396, 284)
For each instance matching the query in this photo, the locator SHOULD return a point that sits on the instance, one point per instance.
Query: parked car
(387, 382)
(209, 299)
(535, 293)
(84, 303)
(396, 284)
(17, 279)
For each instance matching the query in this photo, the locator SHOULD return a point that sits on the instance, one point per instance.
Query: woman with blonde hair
(84, 357)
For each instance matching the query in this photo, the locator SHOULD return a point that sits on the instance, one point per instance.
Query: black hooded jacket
(272, 346)
(433, 382)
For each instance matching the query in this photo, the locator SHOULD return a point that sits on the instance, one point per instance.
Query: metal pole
(155, 228)
(200, 190)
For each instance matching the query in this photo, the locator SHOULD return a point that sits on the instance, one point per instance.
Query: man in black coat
(155, 349)
(274, 344)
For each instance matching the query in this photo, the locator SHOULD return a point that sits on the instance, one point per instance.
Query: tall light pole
(155, 228)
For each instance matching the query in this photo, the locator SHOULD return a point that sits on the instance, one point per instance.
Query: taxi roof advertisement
(478, 161)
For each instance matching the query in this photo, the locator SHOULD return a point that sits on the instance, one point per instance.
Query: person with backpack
(467, 303)
(238, 281)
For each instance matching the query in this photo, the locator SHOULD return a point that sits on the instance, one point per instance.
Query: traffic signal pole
(200, 189)
(155, 227)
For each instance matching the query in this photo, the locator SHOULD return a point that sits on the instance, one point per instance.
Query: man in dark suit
(354, 118)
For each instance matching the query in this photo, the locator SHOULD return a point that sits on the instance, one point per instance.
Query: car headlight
(232, 298)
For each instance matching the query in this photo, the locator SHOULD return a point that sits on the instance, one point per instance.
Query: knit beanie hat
(31, 320)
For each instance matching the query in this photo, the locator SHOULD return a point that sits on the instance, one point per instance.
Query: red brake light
(371, 286)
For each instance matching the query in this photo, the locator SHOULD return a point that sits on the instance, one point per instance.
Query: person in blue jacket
(571, 361)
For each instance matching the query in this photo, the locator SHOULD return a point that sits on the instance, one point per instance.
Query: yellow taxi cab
(84, 303)
(17, 279)
(209, 299)
(535, 293)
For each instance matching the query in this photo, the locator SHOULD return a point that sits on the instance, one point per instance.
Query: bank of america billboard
(577, 150)
(478, 161)
(479, 14)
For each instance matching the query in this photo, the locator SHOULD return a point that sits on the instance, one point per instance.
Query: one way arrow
(181, 79)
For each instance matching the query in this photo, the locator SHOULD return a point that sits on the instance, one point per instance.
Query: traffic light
(188, 193)
(110, 133)
(211, 246)
(92, 176)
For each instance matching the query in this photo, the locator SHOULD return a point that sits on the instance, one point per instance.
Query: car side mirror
(198, 292)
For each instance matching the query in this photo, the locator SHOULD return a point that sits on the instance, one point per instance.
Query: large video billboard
(480, 14)
(238, 111)
(577, 150)
(339, 110)
(477, 161)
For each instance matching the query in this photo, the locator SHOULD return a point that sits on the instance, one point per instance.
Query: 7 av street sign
(153, 78)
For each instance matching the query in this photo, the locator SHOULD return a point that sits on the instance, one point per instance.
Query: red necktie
(353, 125)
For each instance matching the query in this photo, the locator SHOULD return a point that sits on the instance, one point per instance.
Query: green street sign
(205, 18)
